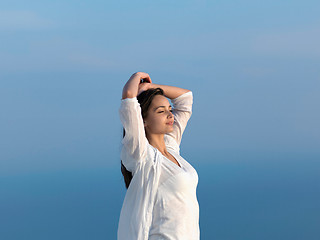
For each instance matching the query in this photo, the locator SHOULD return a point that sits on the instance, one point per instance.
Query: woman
(160, 202)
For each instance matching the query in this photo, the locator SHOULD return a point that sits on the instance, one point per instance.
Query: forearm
(130, 90)
(170, 91)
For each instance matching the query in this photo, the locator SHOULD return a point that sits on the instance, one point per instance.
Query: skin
(156, 121)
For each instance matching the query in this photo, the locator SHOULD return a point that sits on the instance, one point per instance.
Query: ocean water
(242, 199)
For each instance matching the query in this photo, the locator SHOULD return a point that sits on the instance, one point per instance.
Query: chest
(171, 158)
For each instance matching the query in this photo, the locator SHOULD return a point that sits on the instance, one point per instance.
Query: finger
(148, 79)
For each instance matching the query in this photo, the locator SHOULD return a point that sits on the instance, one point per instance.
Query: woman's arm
(170, 91)
(182, 111)
(134, 141)
(130, 90)
(134, 86)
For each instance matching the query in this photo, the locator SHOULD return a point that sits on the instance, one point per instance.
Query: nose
(170, 114)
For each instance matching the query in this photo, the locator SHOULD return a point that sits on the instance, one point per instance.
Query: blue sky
(253, 67)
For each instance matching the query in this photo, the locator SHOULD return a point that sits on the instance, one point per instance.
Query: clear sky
(253, 67)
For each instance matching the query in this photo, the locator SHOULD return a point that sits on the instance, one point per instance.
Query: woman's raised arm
(131, 88)
(170, 91)
(134, 141)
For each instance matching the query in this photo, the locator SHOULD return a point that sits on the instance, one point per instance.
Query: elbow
(128, 94)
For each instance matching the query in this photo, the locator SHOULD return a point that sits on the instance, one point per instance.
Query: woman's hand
(144, 86)
(138, 82)
(145, 81)
(144, 77)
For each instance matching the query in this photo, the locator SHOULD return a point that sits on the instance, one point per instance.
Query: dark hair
(145, 98)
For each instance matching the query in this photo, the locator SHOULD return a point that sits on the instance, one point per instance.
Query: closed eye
(169, 110)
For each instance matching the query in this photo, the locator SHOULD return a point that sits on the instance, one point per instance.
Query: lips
(170, 123)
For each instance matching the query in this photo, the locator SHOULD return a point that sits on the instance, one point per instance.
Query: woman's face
(159, 119)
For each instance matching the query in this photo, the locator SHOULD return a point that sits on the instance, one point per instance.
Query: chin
(169, 131)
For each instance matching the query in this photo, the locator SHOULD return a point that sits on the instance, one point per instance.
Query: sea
(240, 199)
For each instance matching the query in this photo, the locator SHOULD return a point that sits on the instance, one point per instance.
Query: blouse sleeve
(134, 141)
(182, 111)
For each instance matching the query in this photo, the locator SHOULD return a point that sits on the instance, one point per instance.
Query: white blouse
(161, 201)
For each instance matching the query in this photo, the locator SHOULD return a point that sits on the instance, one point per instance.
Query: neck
(157, 141)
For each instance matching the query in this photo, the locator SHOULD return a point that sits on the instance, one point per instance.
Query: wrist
(153, 85)
(137, 74)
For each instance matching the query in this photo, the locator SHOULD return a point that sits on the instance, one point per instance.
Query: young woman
(161, 201)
